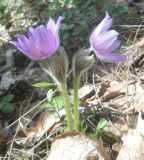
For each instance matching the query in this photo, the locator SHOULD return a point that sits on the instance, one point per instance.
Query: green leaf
(102, 124)
(54, 1)
(110, 8)
(67, 1)
(64, 27)
(50, 95)
(99, 129)
(8, 98)
(82, 126)
(58, 102)
(1, 105)
(45, 105)
(67, 26)
(43, 84)
(123, 9)
(8, 108)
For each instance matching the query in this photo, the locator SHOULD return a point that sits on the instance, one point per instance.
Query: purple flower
(42, 42)
(104, 42)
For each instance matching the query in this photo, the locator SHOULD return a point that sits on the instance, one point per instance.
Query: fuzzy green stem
(67, 106)
(76, 103)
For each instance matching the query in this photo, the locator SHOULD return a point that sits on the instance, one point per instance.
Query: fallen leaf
(133, 142)
(121, 95)
(111, 95)
(46, 122)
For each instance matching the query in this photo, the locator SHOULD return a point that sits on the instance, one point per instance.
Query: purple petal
(98, 41)
(103, 26)
(22, 45)
(45, 41)
(51, 25)
(60, 18)
(111, 57)
(28, 48)
(106, 36)
(19, 47)
(31, 34)
(108, 46)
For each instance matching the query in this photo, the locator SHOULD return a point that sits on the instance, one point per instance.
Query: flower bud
(82, 61)
(56, 66)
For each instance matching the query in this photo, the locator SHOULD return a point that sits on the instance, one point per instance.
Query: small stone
(7, 80)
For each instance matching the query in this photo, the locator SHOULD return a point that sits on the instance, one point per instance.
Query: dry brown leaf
(113, 91)
(122, 95)
(45, 123)
(111, 95)
(114, 132)
(133, 143)
(134, 98)
(103, 88)
(107, 91)
(86, 92)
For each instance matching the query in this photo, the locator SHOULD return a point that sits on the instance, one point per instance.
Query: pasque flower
(42, 42)
(104, 42)
(56, 66)
(82, 61)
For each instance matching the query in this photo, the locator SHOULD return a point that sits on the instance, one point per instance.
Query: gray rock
(7, 80)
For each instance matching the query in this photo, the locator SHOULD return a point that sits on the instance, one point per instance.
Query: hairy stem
(76, 103)
(67, 106)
